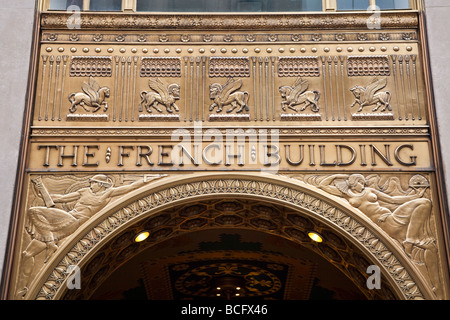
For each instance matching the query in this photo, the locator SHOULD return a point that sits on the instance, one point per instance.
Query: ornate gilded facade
(275, 124)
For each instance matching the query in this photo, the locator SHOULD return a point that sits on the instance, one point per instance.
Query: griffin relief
(371, 95)
(297, 95)
(91, 99)
(228, 94)
(163, 94)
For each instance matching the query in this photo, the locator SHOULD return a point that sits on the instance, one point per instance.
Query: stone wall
(16, 31)
(438, 24)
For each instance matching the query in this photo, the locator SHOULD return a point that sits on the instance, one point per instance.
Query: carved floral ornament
(280, 36)
(231, 21)
(400, 271)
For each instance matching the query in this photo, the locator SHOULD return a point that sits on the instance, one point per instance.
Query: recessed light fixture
(315, 236)
(228, 287)
(141, 236)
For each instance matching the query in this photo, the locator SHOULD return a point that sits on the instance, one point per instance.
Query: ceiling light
(141, 236)
(228, 287)
(315, 236)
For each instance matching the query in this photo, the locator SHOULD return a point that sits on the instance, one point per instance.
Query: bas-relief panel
(402, 206)
(58, 206)
(272, 78)
(108, 102)
(336, 89)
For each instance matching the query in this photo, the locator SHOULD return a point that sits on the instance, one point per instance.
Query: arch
(334, 212)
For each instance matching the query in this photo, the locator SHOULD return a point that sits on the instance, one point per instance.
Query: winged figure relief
(162, 94)
(228, 94)
(297, 95)
(91, 99)
(371, 95)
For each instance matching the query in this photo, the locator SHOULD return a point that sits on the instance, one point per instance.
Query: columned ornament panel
(127, 101)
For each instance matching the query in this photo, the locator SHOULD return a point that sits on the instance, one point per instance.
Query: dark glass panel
(105, 5)
(228, 5)
(64, 4)
(393, 4)
(352, 4)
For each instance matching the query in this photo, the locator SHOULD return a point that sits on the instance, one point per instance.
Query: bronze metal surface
(318, 112)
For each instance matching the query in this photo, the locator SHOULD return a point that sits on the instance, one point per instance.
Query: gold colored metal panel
(231, 153)
(134, 111)
(242, 79)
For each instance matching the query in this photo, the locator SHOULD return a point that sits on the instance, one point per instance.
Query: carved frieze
(236, 37)
(335, 78)
(406, 78)
(397, 20)
(50, 99)
(298, 94)
(325, 132)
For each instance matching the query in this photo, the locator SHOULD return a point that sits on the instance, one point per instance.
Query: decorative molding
(159, 117)
(300, 117)
(229, 117)
(238, 38)
(88, 117)
(372, 116)
(231, 213)
(400, 131)
(280, 21)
